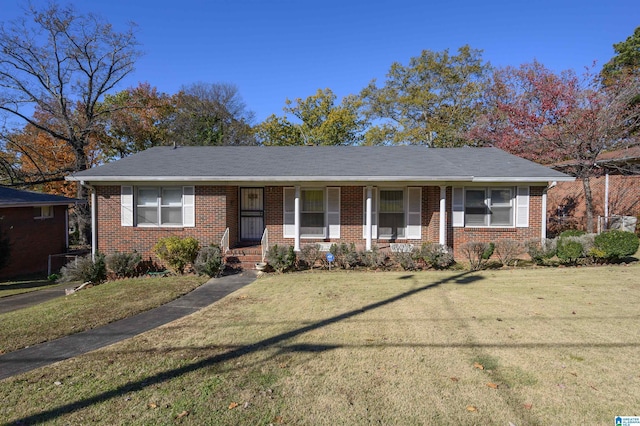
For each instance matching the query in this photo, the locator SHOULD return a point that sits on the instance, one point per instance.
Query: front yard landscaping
(526, 346)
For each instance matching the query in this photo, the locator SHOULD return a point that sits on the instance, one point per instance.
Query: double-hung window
(312, 213)
(391, 216)
(489, 206)
(148, 206)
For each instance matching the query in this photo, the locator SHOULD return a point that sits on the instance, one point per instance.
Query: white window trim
(375, 213)
(519, 204)
(42, 215)
(129, 206)
(331, 226)
(325, 202)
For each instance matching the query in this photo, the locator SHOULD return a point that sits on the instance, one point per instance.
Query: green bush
(209, 261)
(436, 255)
(281, 258)
(405, 259)
(123, 265)
(571, 233)
(488, 252)
(541, 250)
(177, 252)
(616, 244)
(85, 269)
(569, 250)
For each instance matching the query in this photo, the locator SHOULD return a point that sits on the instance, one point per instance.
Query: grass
(89, 308)
(527, 346)
(10, 288)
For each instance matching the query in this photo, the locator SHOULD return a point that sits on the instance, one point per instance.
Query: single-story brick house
(300, 195)
(37, 225)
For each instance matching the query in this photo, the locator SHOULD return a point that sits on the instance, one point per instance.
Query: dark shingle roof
(10, 197)
(321, 163)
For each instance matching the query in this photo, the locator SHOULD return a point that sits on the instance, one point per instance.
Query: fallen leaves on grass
(478, 366)
(454, 379)
(185, 413)
(472, 408)
(492, 385)
(233, 405)
(528, 406)
(152, 405)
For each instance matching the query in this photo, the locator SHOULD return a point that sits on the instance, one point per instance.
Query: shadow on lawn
(25, 284)
(274, 341)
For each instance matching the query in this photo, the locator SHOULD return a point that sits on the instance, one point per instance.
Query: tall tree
(548, 117)
(626, 59)
(63, 63)
(138, 120)
(316, 120)
(433, 100)
(210, 114)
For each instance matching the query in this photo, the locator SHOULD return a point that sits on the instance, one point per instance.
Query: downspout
(543, 230)
(94, 229)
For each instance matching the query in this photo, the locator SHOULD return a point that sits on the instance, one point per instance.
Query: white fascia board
(268, 179)
(525, 179)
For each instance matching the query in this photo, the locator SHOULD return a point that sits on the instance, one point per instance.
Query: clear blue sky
(273, 50)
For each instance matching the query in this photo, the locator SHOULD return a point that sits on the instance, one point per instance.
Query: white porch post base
(442, 235)
(369, 218)
(296, 235)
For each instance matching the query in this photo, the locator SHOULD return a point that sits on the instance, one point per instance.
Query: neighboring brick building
(566, 205)
(306, 195)
(36, 226)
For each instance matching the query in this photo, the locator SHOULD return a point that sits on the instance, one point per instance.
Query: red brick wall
(32, 240)
(462, 235)
(624, 198)
(216, 208)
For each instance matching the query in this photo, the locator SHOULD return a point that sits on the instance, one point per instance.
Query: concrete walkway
(43, 354)
(24, 300)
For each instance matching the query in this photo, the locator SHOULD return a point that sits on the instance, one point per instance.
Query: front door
(251, 214)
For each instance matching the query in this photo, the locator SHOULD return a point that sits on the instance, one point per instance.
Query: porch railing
(264, 243)
(224, 244)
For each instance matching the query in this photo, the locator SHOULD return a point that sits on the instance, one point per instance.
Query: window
(391, 223)
(319, 213)
(43, 212)
(312, 213)
(488, 206)
(159, 206)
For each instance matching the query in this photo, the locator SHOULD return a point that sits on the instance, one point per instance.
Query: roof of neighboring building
(10, 197)
(320, 163)
(622, 160)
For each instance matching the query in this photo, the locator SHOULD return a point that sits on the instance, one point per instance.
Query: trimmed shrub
(372, 259)
(85, 269)
(281, 258)
(508, 250)
(475, 252)
(345, 255)
(569, 249)
(310, 255)
(123, 265)
(488, 252)
(615, 244)
(571, 233)
(209, 261)
(404, 259)
(177, 252)
(541, 250)
(436, 256)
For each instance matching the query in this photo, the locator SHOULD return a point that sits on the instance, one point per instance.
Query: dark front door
(251, 214)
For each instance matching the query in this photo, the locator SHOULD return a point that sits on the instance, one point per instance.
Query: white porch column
(296, 222)
(543, 230)
(369, 218)
(94, 225)
(442, 237)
